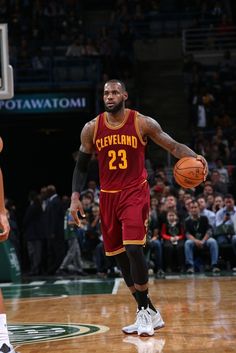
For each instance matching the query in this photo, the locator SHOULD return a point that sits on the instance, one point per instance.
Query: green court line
(51, 289)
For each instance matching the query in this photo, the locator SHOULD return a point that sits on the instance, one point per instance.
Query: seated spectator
(222, 145)
(205, 212)
(223, 120)
(218, 203)
(154, 207)
(87, 199)
(105, 265)
(39, 61)
(217, 183)
(153, 247)
(76, 48)
(186, 208)
(180, 198)
(158, 188)
(169, 205)
(93, 188)
(210, 199)
(224, 175)
(198, 233)
(90, 48)
(172, 233)
(225, 232)
(207, 189)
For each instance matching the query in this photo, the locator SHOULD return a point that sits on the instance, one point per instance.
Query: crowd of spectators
(58, 246)
(41, 31)
(189, 230)
(210, 91)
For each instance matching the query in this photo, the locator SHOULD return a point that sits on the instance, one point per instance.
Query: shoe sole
(145, 334)
(134, 332)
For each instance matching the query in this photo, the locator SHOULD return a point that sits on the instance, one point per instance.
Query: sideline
(116, 285)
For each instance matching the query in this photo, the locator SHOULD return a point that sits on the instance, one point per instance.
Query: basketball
(189, 172)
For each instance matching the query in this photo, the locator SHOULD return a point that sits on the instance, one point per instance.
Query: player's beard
(115, 109)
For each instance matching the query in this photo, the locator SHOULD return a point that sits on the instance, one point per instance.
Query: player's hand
(5, 227)
(205, 164)
(76, 206)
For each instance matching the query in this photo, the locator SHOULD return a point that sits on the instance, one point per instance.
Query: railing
(209, 40)
(152, 24)
(57, 71)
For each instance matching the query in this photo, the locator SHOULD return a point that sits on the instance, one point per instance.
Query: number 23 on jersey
(118, 159)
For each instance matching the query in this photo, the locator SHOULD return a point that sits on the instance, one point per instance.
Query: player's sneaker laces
(157, 323)
(7, 349)
(145, 326)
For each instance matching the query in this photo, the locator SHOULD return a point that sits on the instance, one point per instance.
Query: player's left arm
(152, 129)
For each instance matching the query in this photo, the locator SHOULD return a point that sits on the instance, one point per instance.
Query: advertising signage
(39, 103)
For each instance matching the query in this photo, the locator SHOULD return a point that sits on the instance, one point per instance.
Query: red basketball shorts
(124, 217)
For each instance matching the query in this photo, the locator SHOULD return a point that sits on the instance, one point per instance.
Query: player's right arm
(80, 171)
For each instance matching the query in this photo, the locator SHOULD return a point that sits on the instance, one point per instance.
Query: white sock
(4, 337)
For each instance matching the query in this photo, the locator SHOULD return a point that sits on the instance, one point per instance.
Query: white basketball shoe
(157, 323)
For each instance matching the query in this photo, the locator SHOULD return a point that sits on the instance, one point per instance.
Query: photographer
(225, 232)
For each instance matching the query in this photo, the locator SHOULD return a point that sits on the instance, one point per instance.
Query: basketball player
(119, 137)
(5, 345)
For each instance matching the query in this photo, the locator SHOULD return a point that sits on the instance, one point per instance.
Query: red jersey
(121, 153)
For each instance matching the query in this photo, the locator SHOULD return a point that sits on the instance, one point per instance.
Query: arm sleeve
(80, 172)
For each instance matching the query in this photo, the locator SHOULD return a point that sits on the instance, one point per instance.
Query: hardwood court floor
(200, 316)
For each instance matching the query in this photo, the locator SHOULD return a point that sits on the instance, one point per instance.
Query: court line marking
(116, 285)
(23, 300)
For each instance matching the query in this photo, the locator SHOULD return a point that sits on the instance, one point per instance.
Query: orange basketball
(189, 172)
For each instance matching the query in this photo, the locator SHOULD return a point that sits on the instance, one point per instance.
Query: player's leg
(138, 287)
(113, 239)
(5, 346)
(124, 265)
(134, 227)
